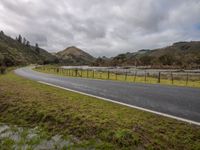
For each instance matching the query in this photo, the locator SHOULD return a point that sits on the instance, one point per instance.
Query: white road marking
(124, 104)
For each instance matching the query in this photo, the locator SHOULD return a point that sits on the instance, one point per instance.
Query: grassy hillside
(14, 53)
(75, 56)
(178, 55)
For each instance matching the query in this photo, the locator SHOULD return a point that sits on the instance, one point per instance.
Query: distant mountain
(74, 56)
(13, 52)
(178, 55)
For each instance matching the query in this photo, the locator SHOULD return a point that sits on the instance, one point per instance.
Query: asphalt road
(181, 102)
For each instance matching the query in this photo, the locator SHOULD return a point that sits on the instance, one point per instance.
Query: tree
(24, 41)
(99, 62)
(197, 61)
(27, 43)
(19, 39)
(166, 59)
(146, 60)
(2, 33)
(37, 49)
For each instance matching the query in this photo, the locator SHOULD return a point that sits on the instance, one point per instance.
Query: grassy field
(94, 123)
(178, 81)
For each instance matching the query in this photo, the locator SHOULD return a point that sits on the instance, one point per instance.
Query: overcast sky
(102, 27)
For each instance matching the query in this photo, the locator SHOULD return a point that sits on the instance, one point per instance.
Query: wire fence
(142, 75)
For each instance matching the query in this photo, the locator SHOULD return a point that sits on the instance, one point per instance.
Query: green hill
(13, 53)
(74, 56)
(178, 55)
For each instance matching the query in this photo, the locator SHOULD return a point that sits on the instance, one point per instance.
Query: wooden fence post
(81, 72)
(135, 75)
(187, 78)
(172, 78)
(126, 75)
(76, 72)
(93, 74)
(87, 73)
(159, 77)
(108, 74)
(145, 76)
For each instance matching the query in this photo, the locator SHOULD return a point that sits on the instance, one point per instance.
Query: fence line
(128, 75)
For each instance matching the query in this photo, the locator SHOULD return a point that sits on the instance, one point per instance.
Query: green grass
(166, 80)
(95, 123)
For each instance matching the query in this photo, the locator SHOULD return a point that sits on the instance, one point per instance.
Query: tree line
(163, 61)
(25, 42)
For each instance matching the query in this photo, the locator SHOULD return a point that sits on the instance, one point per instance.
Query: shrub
(2, 70)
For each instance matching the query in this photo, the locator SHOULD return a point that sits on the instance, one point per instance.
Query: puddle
(13, 137)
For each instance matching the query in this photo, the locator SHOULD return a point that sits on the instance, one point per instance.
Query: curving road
(180, 102)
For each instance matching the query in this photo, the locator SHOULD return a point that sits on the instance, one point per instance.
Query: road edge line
(124, 104)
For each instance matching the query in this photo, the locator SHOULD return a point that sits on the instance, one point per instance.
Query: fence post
(187, 78)
(93, 74)
(145, 76)
(116, 75)
(62, 71)
(65, 72)
(108, 74)
(76, 72)
(81, 72)
(126, 75)
(87, 73)
(135, 75)
(172, 78)
(158, 77)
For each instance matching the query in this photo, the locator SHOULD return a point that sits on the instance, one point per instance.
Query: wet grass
(164, 79)
(14, 137)
(95, 123)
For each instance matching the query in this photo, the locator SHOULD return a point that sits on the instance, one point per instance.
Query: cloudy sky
(102, 27)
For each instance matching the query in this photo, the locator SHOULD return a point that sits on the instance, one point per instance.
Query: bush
(2, 70)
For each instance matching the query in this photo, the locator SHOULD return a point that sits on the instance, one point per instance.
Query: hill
(13, 52)
(178, 55)
(74, 56)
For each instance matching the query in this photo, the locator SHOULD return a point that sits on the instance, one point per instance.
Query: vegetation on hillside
(95, 123)
(20, 52)
(179, 55)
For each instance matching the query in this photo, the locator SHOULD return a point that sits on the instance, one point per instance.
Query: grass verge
(95, 123)
(166, 80)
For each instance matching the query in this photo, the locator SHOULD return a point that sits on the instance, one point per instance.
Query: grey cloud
(102, 27)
